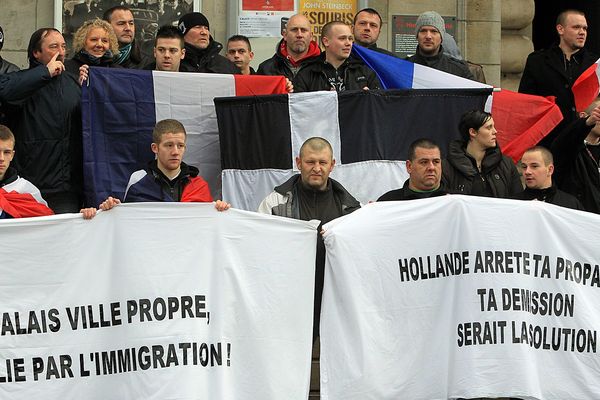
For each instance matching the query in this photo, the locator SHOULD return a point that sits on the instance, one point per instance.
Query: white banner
(461, 297)
(156, 301)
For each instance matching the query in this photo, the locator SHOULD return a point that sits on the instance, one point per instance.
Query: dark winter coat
(47, 127)
(316, 76)
(497, 171)
(443, 62)
(545, 75)
(405, 193)
(551, 195)
(576, 172)
(280, 65)
(207, 60)
(7, 67)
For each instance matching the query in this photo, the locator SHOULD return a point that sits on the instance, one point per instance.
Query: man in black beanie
(5, 66)
(201, 50)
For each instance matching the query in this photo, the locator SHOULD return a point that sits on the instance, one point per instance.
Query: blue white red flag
(521, 120)
(120, 108)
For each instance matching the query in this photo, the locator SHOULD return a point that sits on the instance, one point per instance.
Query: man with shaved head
(537, 165)
(293, 51)
(312, 194)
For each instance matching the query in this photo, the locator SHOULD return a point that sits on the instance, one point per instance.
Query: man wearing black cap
(5, 66)
(201, 50)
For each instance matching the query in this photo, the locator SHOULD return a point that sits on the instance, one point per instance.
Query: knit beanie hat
(430, 18)
(1, 38)
(190, 20)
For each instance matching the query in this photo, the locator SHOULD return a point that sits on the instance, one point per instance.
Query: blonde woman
(94, 44)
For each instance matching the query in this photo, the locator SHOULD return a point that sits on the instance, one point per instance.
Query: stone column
(482, 36)
(517, 16)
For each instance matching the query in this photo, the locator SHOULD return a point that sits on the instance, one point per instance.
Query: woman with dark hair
(94, 44)
(475, 165)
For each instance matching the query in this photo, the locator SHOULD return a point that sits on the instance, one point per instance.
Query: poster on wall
(264, 18)
(320, 12)
(404, 40)
(267, 5)
(148, 15)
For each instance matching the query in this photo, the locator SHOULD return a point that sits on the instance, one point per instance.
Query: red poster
(267, 5)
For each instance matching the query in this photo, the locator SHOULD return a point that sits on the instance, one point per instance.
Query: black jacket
(373, 46)
(316, 76)
(551, 195)
(81, 58)
(405, 193)
(545, 75)
(443, 62)
(21, 84)
(576, 172)
(152, 67)
(7, 67)
(10, 176)
(285, 201)
(279, 65)
(497, 170)
(136, 59)
(47, 127)
(207, 60)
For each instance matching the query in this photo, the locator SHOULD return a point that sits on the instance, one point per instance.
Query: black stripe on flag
(380, 125)
(374, 125)
(254, 132)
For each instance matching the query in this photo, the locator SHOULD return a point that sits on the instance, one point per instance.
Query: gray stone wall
(517, 16)
(19, 19)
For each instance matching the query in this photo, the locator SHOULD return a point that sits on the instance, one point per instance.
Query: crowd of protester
(41, 128)
(41, 108)
(41, 105)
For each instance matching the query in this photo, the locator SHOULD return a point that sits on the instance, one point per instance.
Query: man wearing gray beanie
(430, 30)
(201, 50)
(5, 66)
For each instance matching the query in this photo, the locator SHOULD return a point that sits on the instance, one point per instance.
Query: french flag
(120, 108)
(395, 73)
(521, 120)
(21, 199)
(586, 87)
